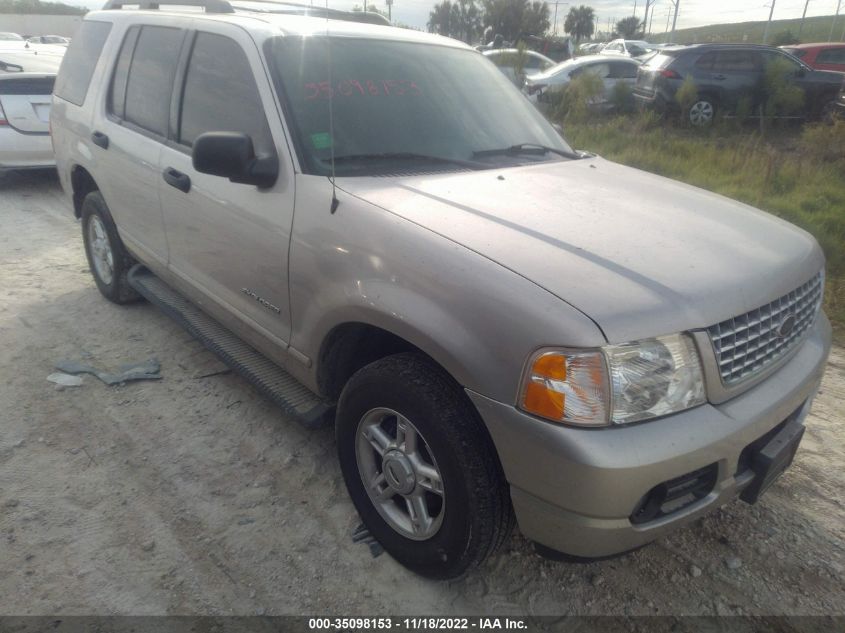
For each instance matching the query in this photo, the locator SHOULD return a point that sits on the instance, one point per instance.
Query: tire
(702, 113)
(471, 515)
(107, 256)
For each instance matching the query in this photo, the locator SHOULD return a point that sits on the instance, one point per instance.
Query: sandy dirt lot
(194, 495)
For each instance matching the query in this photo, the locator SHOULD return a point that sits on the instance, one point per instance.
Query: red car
(824, 56)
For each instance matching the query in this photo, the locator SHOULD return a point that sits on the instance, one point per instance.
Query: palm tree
(629, 28)
(580, 22)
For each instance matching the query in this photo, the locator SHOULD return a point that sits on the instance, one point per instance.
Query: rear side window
(220, 94)
(27, 86)
(80, 60)
(150, 81)
(831, 56)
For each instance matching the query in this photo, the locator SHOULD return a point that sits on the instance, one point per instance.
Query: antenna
(335, 201)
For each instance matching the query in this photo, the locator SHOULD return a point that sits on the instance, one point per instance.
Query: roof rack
(210, 6)
(274, 6)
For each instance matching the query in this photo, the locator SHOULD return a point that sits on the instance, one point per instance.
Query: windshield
(10, 37)
(398, 104)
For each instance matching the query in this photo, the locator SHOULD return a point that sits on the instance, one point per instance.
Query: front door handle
(100, 139)
(719, 77)
(177, 179)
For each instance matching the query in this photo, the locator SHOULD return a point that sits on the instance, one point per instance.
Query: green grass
(796, 174)
(816, 29)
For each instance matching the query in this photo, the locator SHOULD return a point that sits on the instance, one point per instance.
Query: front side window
(220, 94)
(150, 81)
(396, 99)
(80, 60)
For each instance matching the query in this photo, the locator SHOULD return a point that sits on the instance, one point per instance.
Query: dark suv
(725, 76)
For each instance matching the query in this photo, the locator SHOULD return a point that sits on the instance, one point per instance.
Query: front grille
(747, 344)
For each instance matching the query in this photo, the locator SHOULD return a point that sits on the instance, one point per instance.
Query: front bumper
(25, 151)
(574, 490)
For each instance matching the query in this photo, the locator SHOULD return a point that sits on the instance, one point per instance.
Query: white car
(542, 86)
(55, 40)
(627, 48)
(508, 61)
(26, 86)
(11, 41)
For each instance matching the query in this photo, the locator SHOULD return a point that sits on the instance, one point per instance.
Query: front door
(229, 241)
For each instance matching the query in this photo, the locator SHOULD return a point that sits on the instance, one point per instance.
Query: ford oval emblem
(786, 326)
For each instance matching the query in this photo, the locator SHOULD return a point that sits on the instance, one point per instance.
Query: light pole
(766, 32)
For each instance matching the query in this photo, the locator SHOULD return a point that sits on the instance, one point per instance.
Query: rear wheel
(420, 467)
(107, 257)
(702, 112)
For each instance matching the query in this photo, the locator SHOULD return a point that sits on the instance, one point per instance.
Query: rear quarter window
(659, 61)
(80, 60)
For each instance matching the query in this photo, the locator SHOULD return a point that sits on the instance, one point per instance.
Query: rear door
(730, 76)
(229, 242)
(25, 102)
(129, 138)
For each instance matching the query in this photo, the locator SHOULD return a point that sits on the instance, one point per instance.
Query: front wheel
(420, 467)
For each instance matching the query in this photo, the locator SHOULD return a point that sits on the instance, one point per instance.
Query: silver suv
(377, 229)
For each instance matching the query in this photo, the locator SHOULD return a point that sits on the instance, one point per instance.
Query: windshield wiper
(524, 148)
(351, 158)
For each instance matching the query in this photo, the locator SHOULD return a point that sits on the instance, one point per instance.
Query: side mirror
(231, 155)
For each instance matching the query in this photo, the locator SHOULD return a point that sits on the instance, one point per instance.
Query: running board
(271, 380)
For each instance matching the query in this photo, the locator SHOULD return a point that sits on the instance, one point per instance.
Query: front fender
(363, 264)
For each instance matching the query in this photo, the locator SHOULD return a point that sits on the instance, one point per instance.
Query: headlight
(615, 385)
(654, 377)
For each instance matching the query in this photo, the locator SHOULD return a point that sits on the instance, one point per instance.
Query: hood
(639, 254)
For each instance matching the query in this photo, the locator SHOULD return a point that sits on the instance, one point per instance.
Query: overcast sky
(692, 12)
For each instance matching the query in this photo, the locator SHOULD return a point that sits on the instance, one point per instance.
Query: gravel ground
(194, 495)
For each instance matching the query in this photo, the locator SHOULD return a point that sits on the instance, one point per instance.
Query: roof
(286, 18)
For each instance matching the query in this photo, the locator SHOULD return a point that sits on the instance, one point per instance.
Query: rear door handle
(100, 139)
(177, 179)
(719, 77)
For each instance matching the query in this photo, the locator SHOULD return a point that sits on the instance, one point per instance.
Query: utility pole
(677, 4)
(635, 8)
(554, 28)
(389, 10)
(832, 24)
(803, 15)
(649, 5)
(766, 32)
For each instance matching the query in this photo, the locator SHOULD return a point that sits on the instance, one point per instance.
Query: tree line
(470, 20)
(36, 7)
